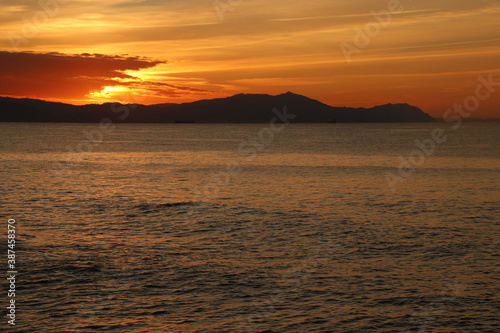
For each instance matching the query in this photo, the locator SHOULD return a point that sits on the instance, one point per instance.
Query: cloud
(67, 76)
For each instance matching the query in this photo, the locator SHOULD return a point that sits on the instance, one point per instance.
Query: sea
(250, 227)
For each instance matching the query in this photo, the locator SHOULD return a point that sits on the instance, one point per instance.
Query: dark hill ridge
(241, 108)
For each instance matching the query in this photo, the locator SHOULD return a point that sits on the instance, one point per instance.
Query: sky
(357, 53)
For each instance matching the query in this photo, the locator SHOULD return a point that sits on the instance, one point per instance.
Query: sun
(109, 93)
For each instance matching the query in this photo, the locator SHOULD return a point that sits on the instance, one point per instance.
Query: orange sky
(426, 53)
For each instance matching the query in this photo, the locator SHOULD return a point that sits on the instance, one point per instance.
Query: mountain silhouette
(241, 108)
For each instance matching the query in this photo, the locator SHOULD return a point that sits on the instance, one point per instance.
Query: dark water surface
(236, 228)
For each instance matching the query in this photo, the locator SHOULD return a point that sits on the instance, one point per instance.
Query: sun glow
(109, 93)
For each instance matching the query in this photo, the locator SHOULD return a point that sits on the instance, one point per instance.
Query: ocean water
(248, 228)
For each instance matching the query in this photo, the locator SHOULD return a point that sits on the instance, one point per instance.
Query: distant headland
(241, 108)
